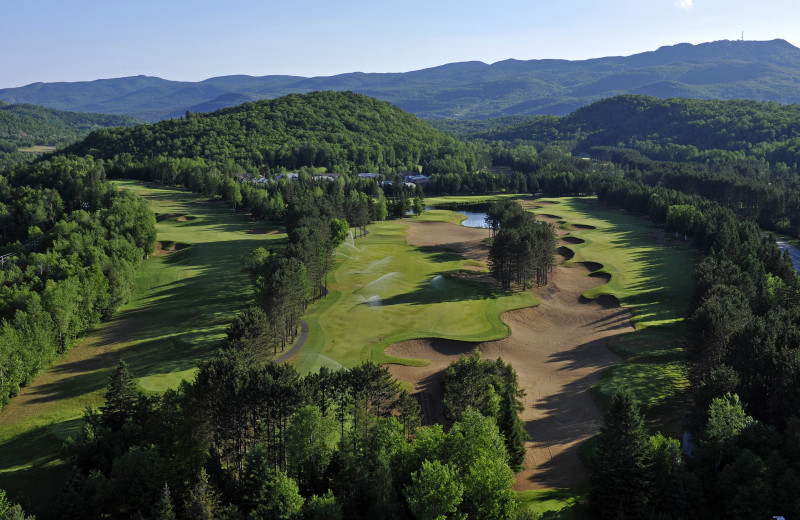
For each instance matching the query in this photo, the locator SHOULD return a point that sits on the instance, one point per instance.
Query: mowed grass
(383, 291)
(177, 315)
(650, 273)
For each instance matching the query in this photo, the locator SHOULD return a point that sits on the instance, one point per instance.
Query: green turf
(383, 291)
(178, 314)
(558, 504)
(651, 273)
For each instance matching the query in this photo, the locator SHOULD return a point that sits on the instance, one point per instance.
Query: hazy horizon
(49, 41)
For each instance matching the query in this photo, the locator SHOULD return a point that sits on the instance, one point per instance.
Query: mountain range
(758, 70)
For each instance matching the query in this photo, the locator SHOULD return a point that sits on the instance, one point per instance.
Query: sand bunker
(573, 240)
(165, 248)
(442, 236)
(583, 226)
(558, 350)
(186, 218)
(259, 231)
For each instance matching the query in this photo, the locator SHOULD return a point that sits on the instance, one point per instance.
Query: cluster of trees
(676, 129)
(739, 467)
(744, 354)
(253, 439)
(340, 131)
(71, 244)
(523, 249)
(491, 388)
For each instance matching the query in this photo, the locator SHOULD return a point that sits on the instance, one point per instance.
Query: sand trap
(564, 253)
(558, 350)
(583, 226)
(166, 248)
(186, 218)
(573, 240)
(165, 216)
(443, 236)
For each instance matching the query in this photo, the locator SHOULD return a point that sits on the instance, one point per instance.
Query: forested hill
(25, 125)
(673, 129)
(339, 131)
(764, 71)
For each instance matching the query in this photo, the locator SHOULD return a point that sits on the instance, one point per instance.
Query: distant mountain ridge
(758, 70)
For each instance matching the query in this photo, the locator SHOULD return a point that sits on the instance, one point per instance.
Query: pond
(476, 213)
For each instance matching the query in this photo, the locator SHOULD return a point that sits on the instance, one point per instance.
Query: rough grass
(650, 273)
(178, 313)
(383, 291)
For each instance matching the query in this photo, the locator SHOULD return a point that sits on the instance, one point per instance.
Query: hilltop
(671, 129)
(759, 70)
(339, 131)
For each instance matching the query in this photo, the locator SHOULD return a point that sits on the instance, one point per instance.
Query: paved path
(793, 252)
(301, 340)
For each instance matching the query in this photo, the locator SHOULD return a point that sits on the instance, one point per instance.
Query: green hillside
(24, 126)
(338, 131)
(672, 129)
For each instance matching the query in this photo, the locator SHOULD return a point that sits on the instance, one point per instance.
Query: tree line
(71, 245)
(253, 439)
(744, 362)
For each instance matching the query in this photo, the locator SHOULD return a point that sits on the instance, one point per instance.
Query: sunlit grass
(383, 291)
(177, 315)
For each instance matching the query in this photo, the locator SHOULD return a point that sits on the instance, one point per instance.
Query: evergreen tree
(619, 472)
(513, 430)
(164, 509)
(121, 397)
(203, 501)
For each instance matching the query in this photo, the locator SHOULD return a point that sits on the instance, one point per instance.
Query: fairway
(383, 291)
(558, 348)
(182, 303)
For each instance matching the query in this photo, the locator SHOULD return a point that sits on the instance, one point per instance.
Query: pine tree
(619, 472)
(164, 509)
(513, 430)
(121, 397)
(203, 501)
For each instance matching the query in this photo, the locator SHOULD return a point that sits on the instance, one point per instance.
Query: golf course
(414, 294)
(185, 296)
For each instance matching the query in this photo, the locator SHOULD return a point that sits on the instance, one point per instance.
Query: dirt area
(186, 218)
(558, 350)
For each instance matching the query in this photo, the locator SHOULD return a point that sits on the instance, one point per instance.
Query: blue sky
(75, 40)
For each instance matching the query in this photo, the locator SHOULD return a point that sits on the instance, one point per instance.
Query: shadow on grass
(441, 289)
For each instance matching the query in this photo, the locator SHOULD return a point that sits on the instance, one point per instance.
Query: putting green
(383, 291)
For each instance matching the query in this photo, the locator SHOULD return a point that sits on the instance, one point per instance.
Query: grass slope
(182, 304)
(650, 273)
(383, 291)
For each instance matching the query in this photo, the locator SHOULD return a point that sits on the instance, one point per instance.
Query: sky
(191, 40)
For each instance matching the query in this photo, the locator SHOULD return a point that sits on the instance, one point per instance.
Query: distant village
(410, 179)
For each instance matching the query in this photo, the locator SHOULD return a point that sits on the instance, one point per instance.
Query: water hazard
(476, 213)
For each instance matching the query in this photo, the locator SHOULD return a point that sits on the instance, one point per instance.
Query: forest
(24, 125)
(341, 132)
(251, 438)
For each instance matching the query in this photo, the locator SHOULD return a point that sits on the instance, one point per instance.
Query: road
(301, 339)
(793, 251)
